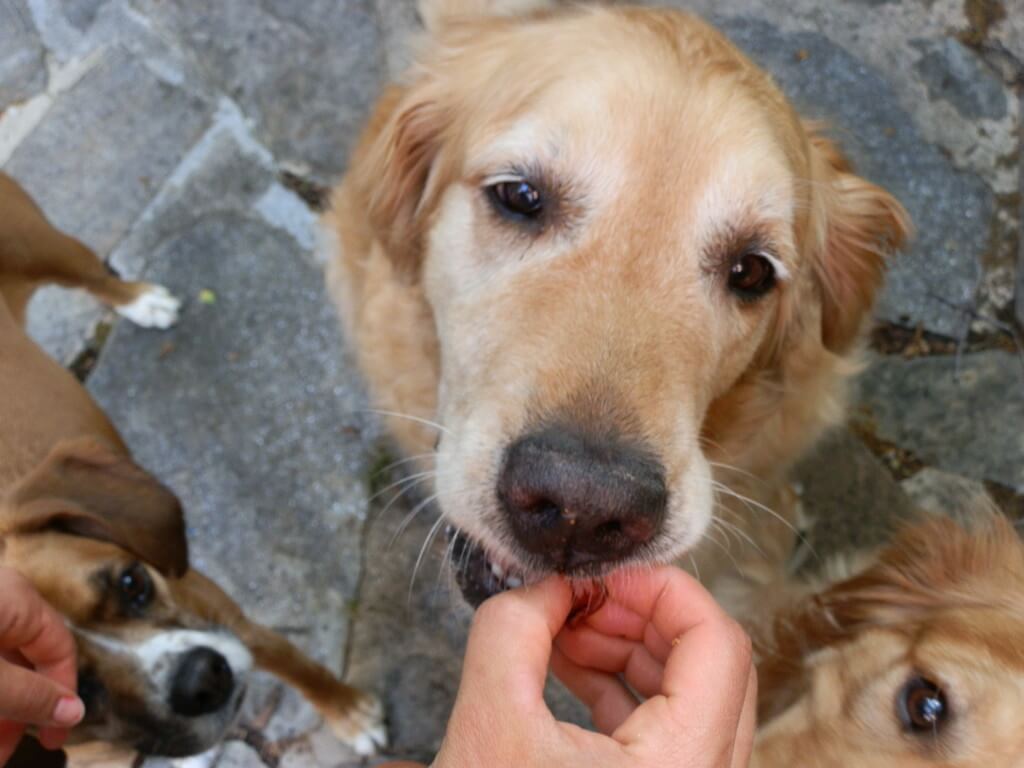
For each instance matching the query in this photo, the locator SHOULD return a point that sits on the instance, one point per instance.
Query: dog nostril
(202, 684)
(609, 529)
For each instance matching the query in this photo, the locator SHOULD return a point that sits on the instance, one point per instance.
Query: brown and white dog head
(639, 261)
(915, 662)
(104, 543)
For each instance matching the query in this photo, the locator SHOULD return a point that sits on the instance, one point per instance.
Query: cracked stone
(249, 408)
(965, 420)
(953, 72)
(305, 72)
(99, 148)
(22, 61)
(951, 210)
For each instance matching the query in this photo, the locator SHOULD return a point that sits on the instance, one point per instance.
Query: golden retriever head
(104, 543)
(638, 260)
(916, 662)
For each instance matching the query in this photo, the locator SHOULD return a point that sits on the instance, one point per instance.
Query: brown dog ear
(86, 489)
(857, 224)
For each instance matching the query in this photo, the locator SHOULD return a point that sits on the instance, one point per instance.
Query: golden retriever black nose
(202, 684)
(576, 501)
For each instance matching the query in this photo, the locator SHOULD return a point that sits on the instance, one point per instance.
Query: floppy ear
(86, 489)
(392, 168)
(857, 224)
(437, 14)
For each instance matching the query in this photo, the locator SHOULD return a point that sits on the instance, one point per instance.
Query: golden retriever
(595, 267)
(917, 661)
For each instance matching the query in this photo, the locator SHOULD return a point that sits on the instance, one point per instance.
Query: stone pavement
(187, 142)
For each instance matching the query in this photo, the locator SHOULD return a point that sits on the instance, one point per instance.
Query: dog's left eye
(516, 199)
(922, 706)
(135, 587)
(751, 276)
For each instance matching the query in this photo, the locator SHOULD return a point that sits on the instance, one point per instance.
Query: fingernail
(69, 711)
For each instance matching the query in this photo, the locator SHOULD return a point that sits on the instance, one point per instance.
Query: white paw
(154, 308)
(361, 727)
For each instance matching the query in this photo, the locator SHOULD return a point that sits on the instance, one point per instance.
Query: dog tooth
(514, 582)
(497, 570)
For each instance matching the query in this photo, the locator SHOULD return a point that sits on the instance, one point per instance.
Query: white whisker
(417, 419)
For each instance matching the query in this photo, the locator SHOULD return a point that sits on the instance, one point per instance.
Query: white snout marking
(157, 653)
(155, 307)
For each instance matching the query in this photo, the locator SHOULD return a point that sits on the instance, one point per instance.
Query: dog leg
(355, 717)
(33, 253)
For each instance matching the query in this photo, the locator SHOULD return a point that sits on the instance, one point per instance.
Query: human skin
(658, 631)
(37, 668)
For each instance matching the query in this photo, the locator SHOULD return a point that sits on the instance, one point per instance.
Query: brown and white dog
(596, 257)
(163, 653)
(915, 662)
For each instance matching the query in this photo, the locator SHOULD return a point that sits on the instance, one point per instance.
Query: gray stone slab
(952, 210)
(850, 499)
(969, 422)
(409, 630)
(306, 73)
(106, 146)
(400, 25)
(63, 321)
(955, 73)
(943, 493)
(22, 61)
(249, 410)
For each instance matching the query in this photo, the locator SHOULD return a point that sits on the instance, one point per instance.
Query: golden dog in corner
(605, 282)
(163, 653)
(915, 662)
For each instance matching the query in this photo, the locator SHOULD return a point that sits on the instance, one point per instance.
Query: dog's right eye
(135, 588)
(516, 199)
(922, 706)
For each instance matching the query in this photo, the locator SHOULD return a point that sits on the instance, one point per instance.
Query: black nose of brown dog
(202, 684)
(575, 501)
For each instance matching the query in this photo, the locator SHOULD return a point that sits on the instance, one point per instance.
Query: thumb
(28, 697)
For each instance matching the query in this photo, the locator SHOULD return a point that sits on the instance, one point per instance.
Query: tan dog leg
(34, 253)
(355, 717)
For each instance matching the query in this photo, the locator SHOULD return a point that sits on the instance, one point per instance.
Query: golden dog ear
(857, 224)
(437, 14)
(86, 489)
(394, 167)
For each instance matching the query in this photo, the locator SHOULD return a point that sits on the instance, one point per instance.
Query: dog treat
(587, 599)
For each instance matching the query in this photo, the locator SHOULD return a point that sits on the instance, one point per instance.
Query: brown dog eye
(135, 588)
(751, 276)
(516, 199)
(922, 706)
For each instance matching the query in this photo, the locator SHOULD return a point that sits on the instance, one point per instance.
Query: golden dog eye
(516, 199)
(751, 276)
(922, 706)
(135, 587)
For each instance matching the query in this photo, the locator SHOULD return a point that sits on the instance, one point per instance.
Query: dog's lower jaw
(477, 575)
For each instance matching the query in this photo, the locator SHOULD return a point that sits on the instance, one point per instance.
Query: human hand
(37, 668)
(659, 629)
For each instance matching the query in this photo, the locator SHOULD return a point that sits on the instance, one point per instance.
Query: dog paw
(360, 726)
(155, 307)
